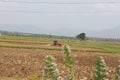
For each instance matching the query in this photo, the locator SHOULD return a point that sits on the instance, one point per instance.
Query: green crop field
(94, 46)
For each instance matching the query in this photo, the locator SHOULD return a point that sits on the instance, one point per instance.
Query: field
(24, 56)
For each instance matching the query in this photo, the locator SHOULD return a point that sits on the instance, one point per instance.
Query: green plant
(35, 77)
(68, 62)
(117, 77)
(50, 68)
(17, 77)
(101, 69)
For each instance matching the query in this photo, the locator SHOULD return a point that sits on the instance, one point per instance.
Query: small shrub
(50, 69)
(17, 77)
(117, 77)
(100, 72)
(35, 77)
(68, 62)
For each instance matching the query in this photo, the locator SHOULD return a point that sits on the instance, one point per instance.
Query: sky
(90, 16)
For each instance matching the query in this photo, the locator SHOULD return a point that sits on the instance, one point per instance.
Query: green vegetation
(30, 47)
(50, 69)
(97, 46)
(101, 69)
(24, 39)
(81, 36)
(117, 77)
(94, 46)
(68, 62)
(17, 77)
(19, 34)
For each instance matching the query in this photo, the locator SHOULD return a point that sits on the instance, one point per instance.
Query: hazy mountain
(107, 33)
(21, 28)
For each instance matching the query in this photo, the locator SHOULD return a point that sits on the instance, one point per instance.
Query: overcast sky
(59, 19)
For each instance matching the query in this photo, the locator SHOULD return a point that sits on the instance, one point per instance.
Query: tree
(81, 36)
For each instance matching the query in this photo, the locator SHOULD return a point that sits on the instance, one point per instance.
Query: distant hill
(12, 33)
(112, 33)
(107, 33)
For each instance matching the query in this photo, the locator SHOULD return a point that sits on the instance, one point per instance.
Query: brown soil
(26, 62)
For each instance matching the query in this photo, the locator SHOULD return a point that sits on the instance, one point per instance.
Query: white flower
(57, 72)
(51, 57)
(60, 78)
(85, 78)
(67, 48)
(54, 64)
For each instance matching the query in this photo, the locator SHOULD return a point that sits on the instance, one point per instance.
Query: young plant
(50, 69)
(100, 72)
(17, 77)
(35, 77)
(117, 77)
(68, 62)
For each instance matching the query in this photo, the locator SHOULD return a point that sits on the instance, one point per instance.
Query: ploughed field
(24, 56)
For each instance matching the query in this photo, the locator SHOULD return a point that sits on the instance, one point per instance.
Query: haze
(62, 19)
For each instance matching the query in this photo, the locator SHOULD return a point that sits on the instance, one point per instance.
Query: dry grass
(25, 63)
